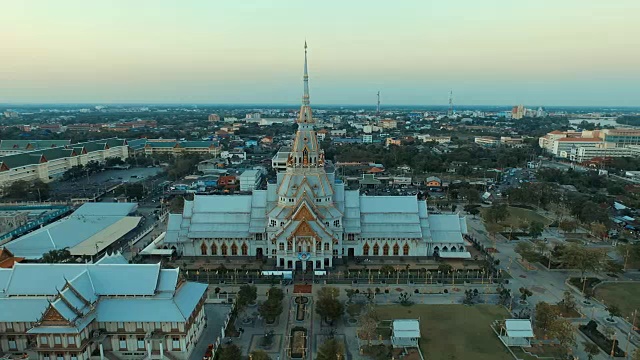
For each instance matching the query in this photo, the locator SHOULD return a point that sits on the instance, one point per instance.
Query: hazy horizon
(490, 53)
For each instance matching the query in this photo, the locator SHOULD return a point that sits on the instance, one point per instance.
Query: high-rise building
(517, 112)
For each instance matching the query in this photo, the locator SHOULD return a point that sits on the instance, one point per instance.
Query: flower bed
(298, 344)
(591, 331)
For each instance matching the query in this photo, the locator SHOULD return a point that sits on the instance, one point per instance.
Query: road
(549, 286)
(215, 315)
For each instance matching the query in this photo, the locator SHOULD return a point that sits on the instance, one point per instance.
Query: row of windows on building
(224, 249)
(274, 223)
(318, 200)
(385, 249)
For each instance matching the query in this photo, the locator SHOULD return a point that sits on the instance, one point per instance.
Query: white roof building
(87, 231)
(405, 333)
(307, 218)
(516, 332)
(92, 304)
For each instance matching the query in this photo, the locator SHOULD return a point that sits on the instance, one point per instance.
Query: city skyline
(497, 53)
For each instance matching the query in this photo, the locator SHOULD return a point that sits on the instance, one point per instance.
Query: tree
(504, 295)
(598, 230)
(246, 295)
(535, 229)
(628, 252)
(526, 250)
(474, 211)
(591, 349)
(546, 314)
(176, 205)
(496, 213)
(230, 352)
(576, 256)
(562, 330)
(493, 229)
(331, 349)
(524, 293)
(259, 355)
(568, 302)
(368, 326)
(614, 311)
(36, 190)
(57, 256)
(568, 226)
(636, 354)
(445, 268)
(272, 307)
(328, 306)
(405, 299)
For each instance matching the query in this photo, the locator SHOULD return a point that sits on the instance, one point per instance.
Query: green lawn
(517, 215)
(625, 295)
(454, 331)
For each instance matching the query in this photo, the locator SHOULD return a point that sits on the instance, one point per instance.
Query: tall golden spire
(305, 96)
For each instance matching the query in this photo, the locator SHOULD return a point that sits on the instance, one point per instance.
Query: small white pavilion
(406, 333)
(516, 332)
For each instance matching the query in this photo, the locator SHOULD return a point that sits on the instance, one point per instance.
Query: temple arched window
(214, 249)
(396, 249)
(376, 250)
(245, 249)
(365, 249)
(234, 249)
(385, 249)
(405, 250)
(223, 249)
(203, 249)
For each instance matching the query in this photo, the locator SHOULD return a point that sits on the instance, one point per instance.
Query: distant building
(279, 161)
(176, 148)
(388, 124)
(214, 117)
(433, 182)
(49, 164)
(488, 141)
(367, 138)
(9, 147)
(436, 139)
(322, 133)
(249, 180)
(393, 141)
(517, 112)
(12, 219)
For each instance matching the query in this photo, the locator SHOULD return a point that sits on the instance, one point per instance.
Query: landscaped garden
(298, 344)
(626, 296)
(519, 215)
(454, 331)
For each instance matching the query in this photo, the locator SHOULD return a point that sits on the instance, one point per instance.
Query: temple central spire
(305, 96)
(306, 150)
(305, 116)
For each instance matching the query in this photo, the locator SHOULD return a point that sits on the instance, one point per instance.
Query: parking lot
(98, 183)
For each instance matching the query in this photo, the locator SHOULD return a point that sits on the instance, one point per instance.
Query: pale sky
(489, 52)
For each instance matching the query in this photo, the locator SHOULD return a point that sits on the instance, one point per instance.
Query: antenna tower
(378, 107)
(450, 102)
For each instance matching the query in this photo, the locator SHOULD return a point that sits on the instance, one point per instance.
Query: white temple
(307, 218)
